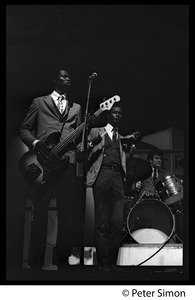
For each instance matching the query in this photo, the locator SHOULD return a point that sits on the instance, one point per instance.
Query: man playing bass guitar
(52, 118)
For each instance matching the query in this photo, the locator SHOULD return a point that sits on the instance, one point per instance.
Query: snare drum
(170, 189)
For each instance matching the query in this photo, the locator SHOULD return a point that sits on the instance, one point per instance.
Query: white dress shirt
(109, 130)
(55, 95)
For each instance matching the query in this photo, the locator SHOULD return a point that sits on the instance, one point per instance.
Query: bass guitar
(39, 171)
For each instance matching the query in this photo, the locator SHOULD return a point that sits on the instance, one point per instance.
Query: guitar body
(38, 173)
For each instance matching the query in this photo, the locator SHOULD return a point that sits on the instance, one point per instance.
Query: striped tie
(60, 104)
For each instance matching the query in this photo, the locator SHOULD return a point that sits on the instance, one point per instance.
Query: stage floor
(82, 274)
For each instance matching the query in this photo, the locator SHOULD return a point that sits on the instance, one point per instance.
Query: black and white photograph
(97, 132)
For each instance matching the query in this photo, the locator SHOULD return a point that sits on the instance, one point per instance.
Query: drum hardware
(179, 238)
(146, 196)
(176, 207)
(140, 198)
(179, 224)
(129, 203)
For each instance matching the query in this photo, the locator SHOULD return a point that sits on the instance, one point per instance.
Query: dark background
(140, 52)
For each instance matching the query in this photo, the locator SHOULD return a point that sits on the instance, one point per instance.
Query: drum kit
(156, 218)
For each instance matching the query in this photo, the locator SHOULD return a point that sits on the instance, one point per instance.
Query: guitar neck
(72, 136)
(98, 112)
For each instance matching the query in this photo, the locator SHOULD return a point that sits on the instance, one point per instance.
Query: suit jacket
(148, 185)
(96, 156)
(43, 118)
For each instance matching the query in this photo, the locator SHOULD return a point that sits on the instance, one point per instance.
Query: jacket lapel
(101, 132)
(67, 108)
(51, 105)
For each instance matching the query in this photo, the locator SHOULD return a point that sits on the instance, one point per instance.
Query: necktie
(114, 136)
(155, 175)
(60, 104)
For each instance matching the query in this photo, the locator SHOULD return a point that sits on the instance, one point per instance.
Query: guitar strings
(70, 137)
(52, 155)
(65, 142)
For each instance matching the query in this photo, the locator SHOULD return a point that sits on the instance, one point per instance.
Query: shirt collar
(109, 127)
(55, 95)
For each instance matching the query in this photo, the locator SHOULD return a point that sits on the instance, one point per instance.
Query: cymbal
(138, 168)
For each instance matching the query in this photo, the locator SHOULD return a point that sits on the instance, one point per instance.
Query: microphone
(93, 75)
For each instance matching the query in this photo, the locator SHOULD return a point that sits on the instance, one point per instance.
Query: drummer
(146, 188)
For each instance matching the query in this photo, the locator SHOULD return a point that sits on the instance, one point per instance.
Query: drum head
(150, 222)
(170, 189)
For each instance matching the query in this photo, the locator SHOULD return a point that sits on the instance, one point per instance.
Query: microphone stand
(84, 151)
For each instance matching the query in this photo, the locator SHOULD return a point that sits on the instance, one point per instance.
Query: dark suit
(148, 185)
(43, 118)
(108, 191)
(99, 149)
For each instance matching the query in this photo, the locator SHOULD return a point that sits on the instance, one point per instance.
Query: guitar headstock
(107, 105)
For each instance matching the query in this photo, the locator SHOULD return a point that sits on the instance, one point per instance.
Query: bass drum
(150, 222)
